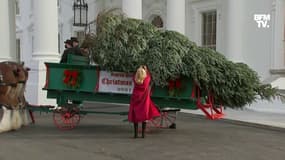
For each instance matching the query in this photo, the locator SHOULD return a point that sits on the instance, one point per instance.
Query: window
(80, 36)
(209, 22)
(18, 49)
(17, 7)
(157, 21)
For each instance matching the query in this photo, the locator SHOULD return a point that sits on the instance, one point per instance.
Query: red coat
(141, 106)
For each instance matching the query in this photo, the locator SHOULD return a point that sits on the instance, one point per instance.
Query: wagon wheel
(66, 119)
(166, 119)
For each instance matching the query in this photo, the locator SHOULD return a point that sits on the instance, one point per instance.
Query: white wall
(277, 47)
(257, 41)
(110, 4)
(93, 9)
(65, 17)
(25, 31)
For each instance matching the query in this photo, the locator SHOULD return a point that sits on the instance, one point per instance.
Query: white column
(45, 29)
(132, 8)
(26, 35)
(7, 30)
(45, 49)
(278, 35)
(234, 30)
(176, 15)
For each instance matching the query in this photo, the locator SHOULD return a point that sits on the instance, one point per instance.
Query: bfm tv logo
(262, 20)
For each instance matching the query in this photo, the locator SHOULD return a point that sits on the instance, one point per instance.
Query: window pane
(209, 29)
(17, 7)
(80, 36)
(18, 49)
(157, 21)
(58, 42)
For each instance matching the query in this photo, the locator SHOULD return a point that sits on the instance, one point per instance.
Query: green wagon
(77, 81)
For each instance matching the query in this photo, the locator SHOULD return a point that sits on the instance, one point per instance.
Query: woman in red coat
(141, 106)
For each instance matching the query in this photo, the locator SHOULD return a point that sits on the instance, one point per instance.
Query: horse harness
(2, 83)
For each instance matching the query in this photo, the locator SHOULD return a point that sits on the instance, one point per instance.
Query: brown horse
(8, 85)
(20, 117)
(8, 99)
(22, 77)
(13, 77)
(22, 80)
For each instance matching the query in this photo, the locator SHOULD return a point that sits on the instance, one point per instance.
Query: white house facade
(232, 27)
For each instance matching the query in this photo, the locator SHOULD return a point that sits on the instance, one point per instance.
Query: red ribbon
(171, 85)
(71, 77)
(178, 84)
(174, 84)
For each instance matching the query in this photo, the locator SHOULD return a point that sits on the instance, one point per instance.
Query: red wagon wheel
(166, 119)
(65, 119)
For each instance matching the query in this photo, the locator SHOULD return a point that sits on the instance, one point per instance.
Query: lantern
(80, 9)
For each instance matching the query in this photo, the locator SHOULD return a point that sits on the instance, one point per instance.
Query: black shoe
(143, 129)
(135, 130)
(172, 126)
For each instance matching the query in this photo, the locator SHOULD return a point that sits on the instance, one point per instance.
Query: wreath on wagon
(72, 78)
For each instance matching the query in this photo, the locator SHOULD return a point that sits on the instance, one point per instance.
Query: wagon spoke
(66, 120)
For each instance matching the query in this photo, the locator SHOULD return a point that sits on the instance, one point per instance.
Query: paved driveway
(107, 137)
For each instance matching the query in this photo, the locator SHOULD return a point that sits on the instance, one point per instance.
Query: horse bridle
(6, 84)
(23, 82)
(9, 84)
